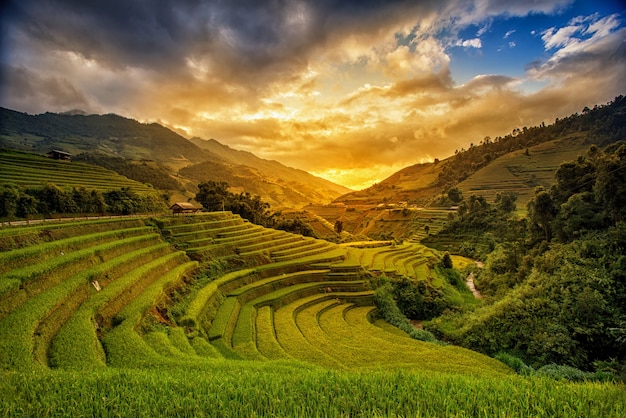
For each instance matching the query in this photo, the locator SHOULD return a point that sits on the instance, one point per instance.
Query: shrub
(562, 372)
(390, 312)
(515, 363)
(446, 262)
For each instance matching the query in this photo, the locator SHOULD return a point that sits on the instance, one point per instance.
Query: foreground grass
(287, 389)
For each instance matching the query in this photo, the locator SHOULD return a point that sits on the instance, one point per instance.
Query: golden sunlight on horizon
(351, 93)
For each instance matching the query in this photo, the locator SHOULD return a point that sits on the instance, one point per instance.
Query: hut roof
(183, 206)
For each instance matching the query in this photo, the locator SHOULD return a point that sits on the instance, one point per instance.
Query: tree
(505, 202)
(212, 195)
(295, 226)
(446, 261)
(573, 177)
(579, 214)
(541, 211)
(26, 205)
(455, 195)
(52, 199)
(338, 226)
(610, 188)
(9, 196)
(123, 201)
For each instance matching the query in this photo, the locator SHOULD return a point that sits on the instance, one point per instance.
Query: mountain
(517, 162)
(416, 184)
(108, 134)
(75, 112)
(277, 182)
(111, 135)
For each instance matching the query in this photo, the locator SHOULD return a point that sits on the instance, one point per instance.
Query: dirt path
(470, 283)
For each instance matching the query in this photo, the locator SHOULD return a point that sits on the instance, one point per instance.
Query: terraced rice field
(31, 170)
(78, 295)
(289, 330)
(520, 173)
(435, 219)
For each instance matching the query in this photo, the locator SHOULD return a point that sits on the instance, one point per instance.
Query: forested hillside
(554, 282)
(425, 184)
(109, 134)
(151, 153)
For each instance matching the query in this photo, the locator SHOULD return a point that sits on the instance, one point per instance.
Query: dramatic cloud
(350, 90)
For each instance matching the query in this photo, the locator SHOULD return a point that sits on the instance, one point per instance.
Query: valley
(278, 288)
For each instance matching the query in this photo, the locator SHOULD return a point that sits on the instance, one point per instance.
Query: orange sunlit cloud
(351, 91)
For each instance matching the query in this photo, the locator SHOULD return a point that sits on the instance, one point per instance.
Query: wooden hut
(56, 154)
(183, 207)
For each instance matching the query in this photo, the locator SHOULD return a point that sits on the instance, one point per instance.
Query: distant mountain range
(189, 161)
(517, 162)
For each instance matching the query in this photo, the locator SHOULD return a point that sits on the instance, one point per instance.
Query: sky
(351, 91)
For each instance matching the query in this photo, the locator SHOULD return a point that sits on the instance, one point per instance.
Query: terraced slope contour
(91, 294)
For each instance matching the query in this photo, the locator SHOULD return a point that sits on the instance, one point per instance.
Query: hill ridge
(118, 136)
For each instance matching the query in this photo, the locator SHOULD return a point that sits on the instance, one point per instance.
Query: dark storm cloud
(141, 33)
(29, 86)
(242, 35)
(326, 85)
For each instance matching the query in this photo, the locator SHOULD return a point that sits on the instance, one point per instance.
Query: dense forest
(555, 281)
(21, 202)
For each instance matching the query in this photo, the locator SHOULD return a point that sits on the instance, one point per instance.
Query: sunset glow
(349, 90)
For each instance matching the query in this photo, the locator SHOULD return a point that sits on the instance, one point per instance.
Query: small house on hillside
(183, 207)
(60, 155)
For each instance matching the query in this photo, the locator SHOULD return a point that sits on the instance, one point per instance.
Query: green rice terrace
(210, 315)
(521, 171)
(31, 170)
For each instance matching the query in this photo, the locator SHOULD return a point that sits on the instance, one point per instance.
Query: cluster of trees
(554, 282)
(154, 174)
(590, 194)
(602, 125)
(18, 202)
(214, 196)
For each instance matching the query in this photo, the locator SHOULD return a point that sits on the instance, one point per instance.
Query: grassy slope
(270, 168)
(144, 382)
(31, 170)
(281, 186)
(413, 184)
(521, 173)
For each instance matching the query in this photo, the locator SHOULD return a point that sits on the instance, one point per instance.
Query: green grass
(198, 307)
(285, 390)
(40, 253)
(31, 170)
(291, 339)
(123, 345)
(278, 344)
(521, 173)
(76, 346)
(267, 344)
(29, 281)
(18, 326)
